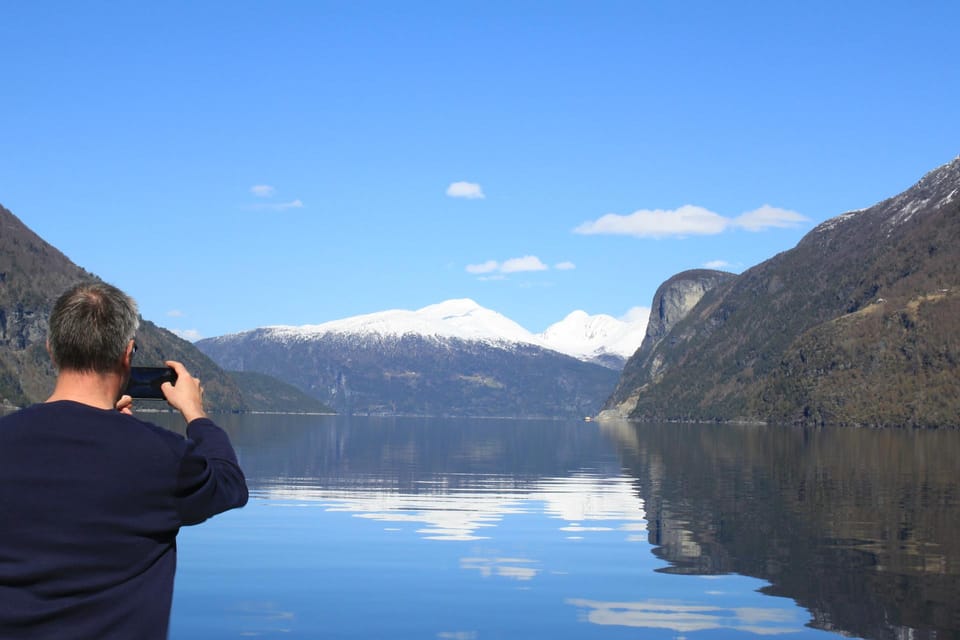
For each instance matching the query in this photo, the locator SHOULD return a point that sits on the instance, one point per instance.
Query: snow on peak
(579, 334)
(582, 335)
(461, 318)
(464, 318)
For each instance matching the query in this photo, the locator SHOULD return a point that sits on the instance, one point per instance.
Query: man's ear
(128, 354)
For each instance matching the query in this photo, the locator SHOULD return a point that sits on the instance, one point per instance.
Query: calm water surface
(479, 529)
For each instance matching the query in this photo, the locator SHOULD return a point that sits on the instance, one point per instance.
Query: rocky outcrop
(676, 297)
(673, 300)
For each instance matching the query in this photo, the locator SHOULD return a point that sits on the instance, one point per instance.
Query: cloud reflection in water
(686, 617)
(463, 514)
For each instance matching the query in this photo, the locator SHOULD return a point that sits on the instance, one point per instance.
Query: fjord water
(476, 529)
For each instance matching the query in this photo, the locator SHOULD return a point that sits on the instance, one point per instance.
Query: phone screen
(145, 381)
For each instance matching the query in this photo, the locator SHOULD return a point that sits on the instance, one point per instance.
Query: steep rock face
(413, 374)
(673, 300)
(677, 296)
(32, 275)
(854, 326)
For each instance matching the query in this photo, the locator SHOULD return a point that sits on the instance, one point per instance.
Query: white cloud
(526, 263)
(657, 223)
(688, 220)
(262, 190)
(175, 313)
(485, 267)
(277, 206)
(716, 264)
(191, 335)
(495, 270)
(468, 190)
(767, 217)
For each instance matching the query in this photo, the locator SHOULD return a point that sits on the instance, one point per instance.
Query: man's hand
(186, 396)
(125, 405)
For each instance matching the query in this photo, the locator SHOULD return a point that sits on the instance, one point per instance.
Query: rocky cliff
(859, 324)
(673, 300)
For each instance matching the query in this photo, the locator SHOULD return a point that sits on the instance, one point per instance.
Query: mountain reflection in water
(413, 528)
(861, 527)
(452, 482)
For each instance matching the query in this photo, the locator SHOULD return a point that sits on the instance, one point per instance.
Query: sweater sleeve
(210, 480)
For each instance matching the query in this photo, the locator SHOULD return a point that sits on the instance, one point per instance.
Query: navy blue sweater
(90, 504)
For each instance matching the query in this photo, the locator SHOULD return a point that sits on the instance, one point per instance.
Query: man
(91, 498)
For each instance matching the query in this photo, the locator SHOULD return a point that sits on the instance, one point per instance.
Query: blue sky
(240, 164)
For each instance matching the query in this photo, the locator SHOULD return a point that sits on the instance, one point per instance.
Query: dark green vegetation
(32, 275)
(418, 375)
(859, 324)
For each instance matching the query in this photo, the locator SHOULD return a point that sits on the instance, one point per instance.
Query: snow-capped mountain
(460, 318)
(452, 358)
(598, 338)
(595, 338)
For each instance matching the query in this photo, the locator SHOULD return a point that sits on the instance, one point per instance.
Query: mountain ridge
(579, 334)
(422, 374)
(825, 333)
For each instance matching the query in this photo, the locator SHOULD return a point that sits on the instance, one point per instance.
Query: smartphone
(145, 381)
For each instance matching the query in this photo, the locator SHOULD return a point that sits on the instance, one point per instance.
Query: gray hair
(90, 327)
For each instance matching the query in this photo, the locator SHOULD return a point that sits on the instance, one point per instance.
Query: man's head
(91, 327)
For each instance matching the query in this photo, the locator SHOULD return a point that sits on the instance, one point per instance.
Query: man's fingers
(125, 404)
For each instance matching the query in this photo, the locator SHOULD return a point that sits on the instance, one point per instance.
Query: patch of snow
(833, 222)
(907, 212)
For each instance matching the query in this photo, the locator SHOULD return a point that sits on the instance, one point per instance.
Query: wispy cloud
(174, 313)
(484, 267)
(767, 217)
(565, 266)
(268, 191)
(512, 265)
(468, 190)
(262, 190)
(526, 263)
(277, 206)
(688, 220)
